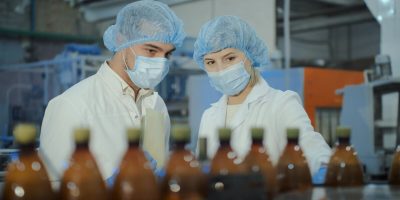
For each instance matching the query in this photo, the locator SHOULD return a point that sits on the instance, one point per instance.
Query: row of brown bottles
(344, 168)
(26, 177)
(292, 171)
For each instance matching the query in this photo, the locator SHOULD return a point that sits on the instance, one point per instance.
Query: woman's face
(217, 61)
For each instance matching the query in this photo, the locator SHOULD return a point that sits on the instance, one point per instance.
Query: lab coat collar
(116, 83)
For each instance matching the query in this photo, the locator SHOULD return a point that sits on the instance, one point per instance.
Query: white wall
(260, 14)
(390, 40)
(387, 13)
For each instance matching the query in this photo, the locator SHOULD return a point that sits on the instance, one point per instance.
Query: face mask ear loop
(132, 51)
(123, 57)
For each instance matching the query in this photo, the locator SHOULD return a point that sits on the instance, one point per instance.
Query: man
(119, 94)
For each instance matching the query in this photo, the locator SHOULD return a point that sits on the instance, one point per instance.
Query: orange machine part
(320, 87)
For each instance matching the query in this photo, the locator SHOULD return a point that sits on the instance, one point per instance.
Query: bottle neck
(293, 141)
(224, 143)
(344, 140)
(26, 148)
(82, 146)
(133, 144)
(180, 144)
(257, 141)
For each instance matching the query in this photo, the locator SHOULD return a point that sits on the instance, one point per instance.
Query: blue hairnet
(230, 32)
(144, 21)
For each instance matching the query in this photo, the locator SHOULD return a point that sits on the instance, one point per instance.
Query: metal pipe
(8, 94)
(46, 85)
(49, 36)
(33, 15)
(286, 30)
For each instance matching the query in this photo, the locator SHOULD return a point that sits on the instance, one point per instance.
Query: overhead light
(20, 8)
(379, 18)
(385, 1)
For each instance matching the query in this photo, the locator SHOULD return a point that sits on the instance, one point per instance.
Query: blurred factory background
(341, 56)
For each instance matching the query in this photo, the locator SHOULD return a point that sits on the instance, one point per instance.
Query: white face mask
(230, 81)
(147, 72)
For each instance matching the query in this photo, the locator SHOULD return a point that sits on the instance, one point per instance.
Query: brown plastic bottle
(258, 161)
(82, 180)
(184, 179)
(135, 179)
(225, 161)
(293, 172)
(394, 174)
(26, 178)
(344, 168)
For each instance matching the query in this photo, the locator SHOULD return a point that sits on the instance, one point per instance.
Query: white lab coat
(100, 104)
(272, 109)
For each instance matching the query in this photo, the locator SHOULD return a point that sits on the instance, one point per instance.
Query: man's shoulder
(81, 88)
(77, 94)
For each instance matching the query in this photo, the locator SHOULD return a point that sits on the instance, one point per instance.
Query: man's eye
(152, 51)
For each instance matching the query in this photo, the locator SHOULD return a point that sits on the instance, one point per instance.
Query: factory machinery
(28, 88)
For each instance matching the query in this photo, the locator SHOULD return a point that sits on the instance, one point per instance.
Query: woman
(228, 49)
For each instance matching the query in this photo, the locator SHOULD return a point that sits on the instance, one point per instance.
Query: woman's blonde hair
(254, 75)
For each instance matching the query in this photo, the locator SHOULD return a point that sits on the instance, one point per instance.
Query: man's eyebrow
(228, 54)
(153, 46)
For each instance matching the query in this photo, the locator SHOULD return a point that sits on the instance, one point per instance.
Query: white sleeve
(292, 114)
(56, 141)
(167, 122)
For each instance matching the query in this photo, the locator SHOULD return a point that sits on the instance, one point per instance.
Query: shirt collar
(117, 84)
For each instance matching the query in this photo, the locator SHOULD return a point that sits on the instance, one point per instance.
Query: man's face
(148, 49)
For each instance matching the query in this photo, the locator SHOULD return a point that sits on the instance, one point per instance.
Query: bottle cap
(25, 133)
(257, 133)
(81, 135)
(292, 133)
(224, 134)
(180, 132)
(133, 134)
(343, 132)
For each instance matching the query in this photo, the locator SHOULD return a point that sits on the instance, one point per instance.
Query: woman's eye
(210, 62)
(231, 58)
